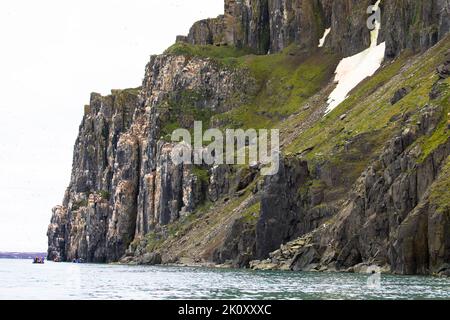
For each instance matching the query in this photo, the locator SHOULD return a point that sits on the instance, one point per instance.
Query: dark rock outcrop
(244, 24)
(280, 210)
(151, 259)
(57, 234)
(273, 25)
(208, 31)
(239, 246)
(388, 219)
(299, 22)
(399, 95)
(443, 72)
(263, 25)
(415, 25)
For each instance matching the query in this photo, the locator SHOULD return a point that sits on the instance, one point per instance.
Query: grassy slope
(226, 55)
(285, 81)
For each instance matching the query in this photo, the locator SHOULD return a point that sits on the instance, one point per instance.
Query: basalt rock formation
(272, 25)
(388, 219)
(366, 184)
(124, 183)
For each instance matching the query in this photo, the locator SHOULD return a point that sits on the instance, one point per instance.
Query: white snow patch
(322, 41)
(352, 70)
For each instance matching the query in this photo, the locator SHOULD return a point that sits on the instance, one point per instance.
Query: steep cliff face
(273, 25)
(387, 193)
(124, 183)
(244, 24)
(388, 220)
(80, 225)
(178, 90)
(391, 216)
(356, 186)
(415, 25)
(263, 25)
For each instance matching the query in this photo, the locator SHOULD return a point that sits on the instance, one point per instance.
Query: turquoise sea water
(20, 279)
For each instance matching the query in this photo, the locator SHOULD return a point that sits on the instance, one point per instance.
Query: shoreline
(359, 269)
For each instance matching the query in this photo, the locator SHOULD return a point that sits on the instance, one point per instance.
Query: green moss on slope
(368, 112)
(440, 191)
(201, 173)
(285, 81)
(252, 214)
(181, 109)
(207, 51)
(439, 136)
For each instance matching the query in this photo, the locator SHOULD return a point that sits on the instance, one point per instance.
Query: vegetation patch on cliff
(220, 53)
(252, 214)
(355, 132)
(440, 136)
(285, 81)
(181, 109)
(440, 192)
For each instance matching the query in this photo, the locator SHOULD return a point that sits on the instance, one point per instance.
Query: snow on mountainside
(352, 70)
(322, 41)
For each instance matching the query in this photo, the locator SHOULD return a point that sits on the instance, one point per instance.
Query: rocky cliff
(124, 183)
(272, 25)
(365, 184)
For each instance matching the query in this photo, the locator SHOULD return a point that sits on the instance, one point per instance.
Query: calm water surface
(20, 279)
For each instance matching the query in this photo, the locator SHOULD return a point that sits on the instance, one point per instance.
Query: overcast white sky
(53, 54)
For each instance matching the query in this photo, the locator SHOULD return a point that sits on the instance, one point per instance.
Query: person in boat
(38, 260)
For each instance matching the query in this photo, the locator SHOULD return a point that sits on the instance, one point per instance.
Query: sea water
(20, 279)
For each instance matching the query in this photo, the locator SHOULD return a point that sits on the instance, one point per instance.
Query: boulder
(399, 95)
(151, 259)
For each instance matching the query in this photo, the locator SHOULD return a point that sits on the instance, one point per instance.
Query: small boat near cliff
(38, 260)
(78, 261)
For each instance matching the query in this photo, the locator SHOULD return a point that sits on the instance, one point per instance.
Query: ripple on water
(22, 280)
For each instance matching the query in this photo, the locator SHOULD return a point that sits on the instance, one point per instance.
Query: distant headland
(21, 255)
